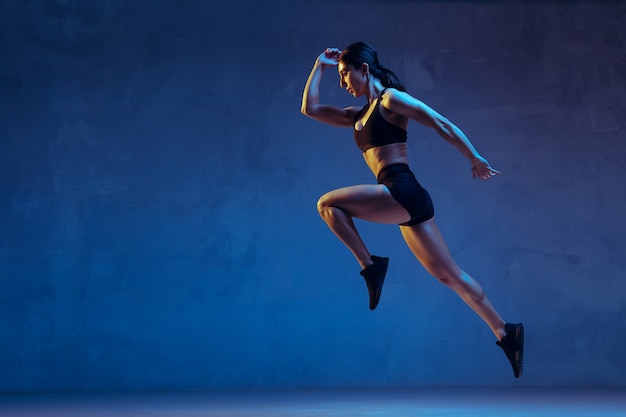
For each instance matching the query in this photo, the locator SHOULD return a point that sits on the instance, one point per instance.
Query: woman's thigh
(368, 202)
(429, 247)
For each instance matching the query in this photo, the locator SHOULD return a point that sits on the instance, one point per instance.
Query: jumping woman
(380, 131)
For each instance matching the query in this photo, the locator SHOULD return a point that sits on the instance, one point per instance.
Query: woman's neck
(375, 87)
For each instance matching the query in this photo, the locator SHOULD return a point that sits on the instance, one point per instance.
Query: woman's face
(352, 79)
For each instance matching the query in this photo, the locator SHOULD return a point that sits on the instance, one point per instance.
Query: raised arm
(311, 97)
(408, 106)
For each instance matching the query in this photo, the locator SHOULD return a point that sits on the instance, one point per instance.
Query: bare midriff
(383, 156)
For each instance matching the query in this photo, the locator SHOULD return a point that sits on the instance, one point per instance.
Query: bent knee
(327, 207)
(323, 204)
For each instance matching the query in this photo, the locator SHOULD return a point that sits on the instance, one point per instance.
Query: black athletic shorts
(405, 189)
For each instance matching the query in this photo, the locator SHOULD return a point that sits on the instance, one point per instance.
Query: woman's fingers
(482, 169)
(485, 174)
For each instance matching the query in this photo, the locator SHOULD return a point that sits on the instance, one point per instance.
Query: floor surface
(417, 402)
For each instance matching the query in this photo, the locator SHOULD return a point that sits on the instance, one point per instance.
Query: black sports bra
(377, 131)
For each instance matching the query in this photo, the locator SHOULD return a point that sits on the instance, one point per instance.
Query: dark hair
(360, 53)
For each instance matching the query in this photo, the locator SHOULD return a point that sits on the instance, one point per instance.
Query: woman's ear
(365, 68)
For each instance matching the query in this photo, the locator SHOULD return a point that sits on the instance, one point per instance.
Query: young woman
(398, 198)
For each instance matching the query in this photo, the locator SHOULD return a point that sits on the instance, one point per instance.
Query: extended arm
(408, 106)
(311, 97)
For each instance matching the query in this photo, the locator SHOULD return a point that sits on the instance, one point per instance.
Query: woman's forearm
(458, 139)
(311, 95)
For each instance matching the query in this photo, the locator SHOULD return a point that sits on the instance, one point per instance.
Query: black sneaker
(513, 346)
(374, 278)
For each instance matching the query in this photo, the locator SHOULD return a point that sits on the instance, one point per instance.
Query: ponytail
(388, 78)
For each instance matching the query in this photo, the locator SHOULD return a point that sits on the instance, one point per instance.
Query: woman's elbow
(307, 110)
(442, 125)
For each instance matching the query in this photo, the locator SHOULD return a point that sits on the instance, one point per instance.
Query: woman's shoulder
(389, 99)
(387, 96)
(390, 93)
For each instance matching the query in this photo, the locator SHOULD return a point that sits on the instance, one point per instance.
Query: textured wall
(158, 186)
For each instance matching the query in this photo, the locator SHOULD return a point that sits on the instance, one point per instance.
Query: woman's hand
(329, 57)
(481, 169)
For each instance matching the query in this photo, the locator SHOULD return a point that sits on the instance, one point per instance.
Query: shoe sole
(519, 349)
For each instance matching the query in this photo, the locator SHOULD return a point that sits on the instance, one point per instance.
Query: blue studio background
(158, 228)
